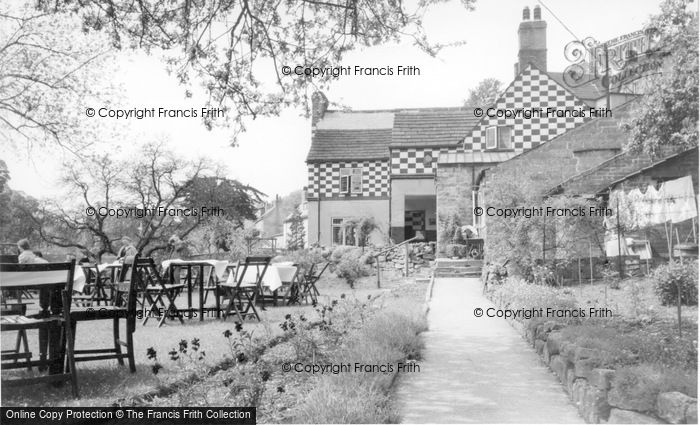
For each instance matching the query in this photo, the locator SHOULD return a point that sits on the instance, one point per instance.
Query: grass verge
(389, 337)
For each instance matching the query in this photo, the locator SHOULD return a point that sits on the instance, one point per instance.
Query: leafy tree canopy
(50, 70)
(486, 93)
(229, 45)
(668, 113)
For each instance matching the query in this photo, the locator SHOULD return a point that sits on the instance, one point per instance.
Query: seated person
(178, 248)
(26, 255)
(128, 250)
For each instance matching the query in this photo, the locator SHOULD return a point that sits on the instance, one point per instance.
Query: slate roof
(432, 127)
(426, 127)
(343, 144)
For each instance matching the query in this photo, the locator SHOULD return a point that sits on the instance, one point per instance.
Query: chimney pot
(532, 41)
(537, 13)
(526, 13)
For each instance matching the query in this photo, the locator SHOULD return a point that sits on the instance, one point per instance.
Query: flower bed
(275, 374)
(614, 369)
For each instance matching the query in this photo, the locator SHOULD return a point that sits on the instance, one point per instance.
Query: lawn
(103, 383)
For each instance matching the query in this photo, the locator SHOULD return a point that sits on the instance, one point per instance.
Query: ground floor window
(341, 233)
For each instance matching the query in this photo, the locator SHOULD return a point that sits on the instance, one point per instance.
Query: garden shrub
(341, 251)
(620, 344)
(669, 277)
(352, 265)
(517, 293)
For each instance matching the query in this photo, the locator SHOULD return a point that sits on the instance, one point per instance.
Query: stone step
(465, 275)
(457, 272)
(446, 262)
(459, 269)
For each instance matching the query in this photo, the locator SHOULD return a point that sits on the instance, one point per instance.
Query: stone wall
(590, 388)
(420, 254)
(572, 153)
(454, 186)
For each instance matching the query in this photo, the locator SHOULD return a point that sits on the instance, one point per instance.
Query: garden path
(478, 369)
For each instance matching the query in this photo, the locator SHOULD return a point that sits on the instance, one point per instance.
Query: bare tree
(146, 199)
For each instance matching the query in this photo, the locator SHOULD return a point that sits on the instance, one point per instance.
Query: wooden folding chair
(291, 289)
(95, 288)
(246, 287)
(210, 282)
(308, 284)
(54, 282)
(122, 306)
(157, 296)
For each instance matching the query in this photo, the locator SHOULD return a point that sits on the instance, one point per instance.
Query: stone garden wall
(420, 255)
(590, 389)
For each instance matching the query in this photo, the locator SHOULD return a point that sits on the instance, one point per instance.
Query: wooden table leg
(189, 287)
(201, 293)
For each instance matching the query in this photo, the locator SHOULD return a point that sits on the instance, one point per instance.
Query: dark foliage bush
(669, 277)
(351, 263)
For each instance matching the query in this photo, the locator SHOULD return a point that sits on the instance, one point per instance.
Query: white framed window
(505, 137)
(351, 180)
(337, 232)
(500, 137)
(491, 142)
(341, 234)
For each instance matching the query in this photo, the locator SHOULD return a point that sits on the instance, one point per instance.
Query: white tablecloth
(274, 277)
(79, 275)
(219, 265)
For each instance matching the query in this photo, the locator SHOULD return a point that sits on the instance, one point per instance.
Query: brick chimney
(319, 105)
(532, 41)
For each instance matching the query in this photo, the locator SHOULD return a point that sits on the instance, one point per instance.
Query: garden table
(202, 268)
(274, 277)
(51, 336)
(79, 279)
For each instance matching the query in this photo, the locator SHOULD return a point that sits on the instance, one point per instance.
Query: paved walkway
(478, 370)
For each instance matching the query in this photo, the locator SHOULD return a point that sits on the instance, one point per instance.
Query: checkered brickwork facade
(324, 179)
(409, 161)
(532, 89)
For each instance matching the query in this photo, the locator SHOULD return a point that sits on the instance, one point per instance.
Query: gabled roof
(344, 144)
(432, 127)
(363, 135)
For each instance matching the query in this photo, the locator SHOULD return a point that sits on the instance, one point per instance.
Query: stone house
(378, 163)
(417, 169)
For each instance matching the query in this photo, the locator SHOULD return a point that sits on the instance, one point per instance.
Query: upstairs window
(351, 180)
(500, 137)
(491, 141)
